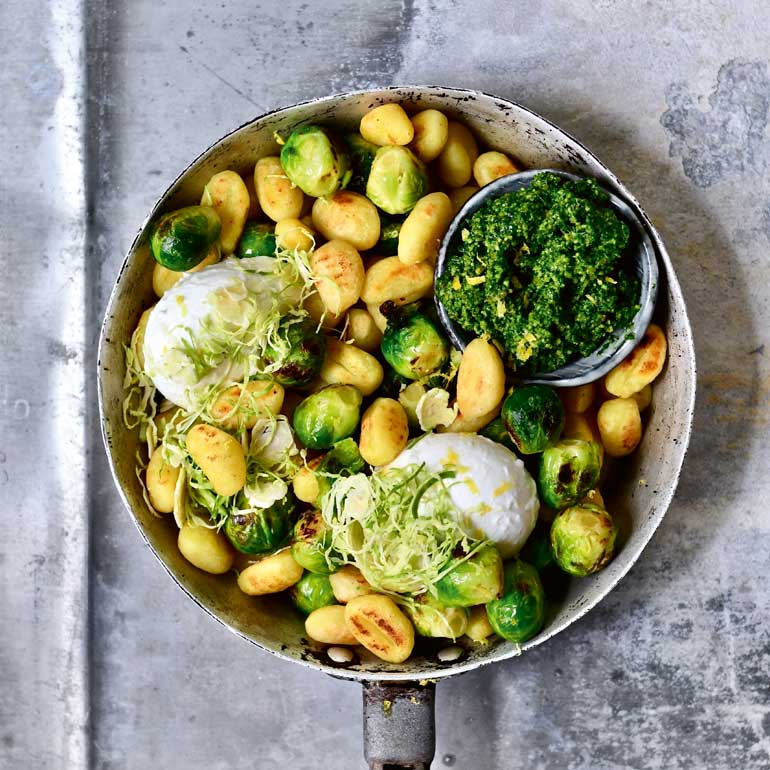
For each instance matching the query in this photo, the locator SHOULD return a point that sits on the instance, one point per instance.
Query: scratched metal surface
(112, 667)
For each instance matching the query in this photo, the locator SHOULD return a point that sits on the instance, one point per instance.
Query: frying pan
(399, 728)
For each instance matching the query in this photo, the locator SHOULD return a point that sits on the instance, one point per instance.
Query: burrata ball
(206, 329)
(495, 496)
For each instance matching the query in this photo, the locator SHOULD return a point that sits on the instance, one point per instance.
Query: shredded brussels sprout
(398, 526)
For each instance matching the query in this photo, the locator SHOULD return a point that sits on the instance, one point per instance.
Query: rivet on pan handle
(399, 725)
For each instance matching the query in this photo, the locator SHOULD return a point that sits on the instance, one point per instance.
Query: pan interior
(639, 496)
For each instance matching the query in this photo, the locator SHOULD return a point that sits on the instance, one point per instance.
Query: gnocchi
(278, 198)
(387, 124)
(620, 426)
(480, 379)
(379, 625)
(271, 574)
(227, 193)
(349, 217)
(423, 229)
(384, 431)
(348, 365)
(339, 275)
(641, 367)
(219, 456)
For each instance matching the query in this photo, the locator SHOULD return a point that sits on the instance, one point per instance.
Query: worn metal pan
(402, 735)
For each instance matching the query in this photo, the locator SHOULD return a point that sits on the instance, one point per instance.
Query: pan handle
(399, 725)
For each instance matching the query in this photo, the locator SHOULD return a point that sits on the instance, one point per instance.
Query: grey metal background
(111, 667)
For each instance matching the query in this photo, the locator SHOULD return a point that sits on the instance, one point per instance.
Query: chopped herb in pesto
(540, 270)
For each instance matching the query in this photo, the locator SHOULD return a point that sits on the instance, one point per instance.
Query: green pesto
(554, 286)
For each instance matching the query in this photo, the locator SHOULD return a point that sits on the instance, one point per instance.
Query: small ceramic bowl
(621, 343)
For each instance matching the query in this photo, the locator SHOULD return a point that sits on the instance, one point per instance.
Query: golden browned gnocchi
(239, 407)
(227, 193)
(460, 195)
(219, 456)
(431, 131)
(384, 431)
(278, 198)
(455, 163)
(292, 233)
(349, 217)
(387, 124)
(578, 399)
(271, 574)
(339, 275)
(362, 330)
(348, 365)
(389, 279)
(161, 481)
(641, 367)
(348, 583)
(327, 625)
(492, 165)
(423, 229)
(620, 426)
(205, 549)
(379, 625)
(480, 379)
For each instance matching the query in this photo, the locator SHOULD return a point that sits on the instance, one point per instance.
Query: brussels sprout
(389, 231)
(412, 343)
(328, 416)
(534, 417)
(432, 618)
(583, 539)
(257, 240)
(342, 459)
(315, 161)
(263, 529)
(568, 471)
(397, 180)
(496, 431)
(537, 549)
(520, 612)
(181, 239)
(477, 580)
(312, 538)
(299, 352)
(361, 155)
(311, 592)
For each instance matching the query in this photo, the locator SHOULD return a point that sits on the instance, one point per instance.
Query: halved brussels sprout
(257, 240)
(412, 343)
(300, 351)
(361, 155)
(568, 471)
(477, 580)
(583, 539)
(181, 239)
(389, 231)
(315, 161)
(397, 180)
(520, 612)
(431, 618)
(534, 417)
(537, 549)
(261, 530)
(328, 416)
(311, 592)
(312, 539)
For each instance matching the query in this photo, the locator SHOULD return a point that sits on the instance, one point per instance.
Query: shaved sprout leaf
(398, 526)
